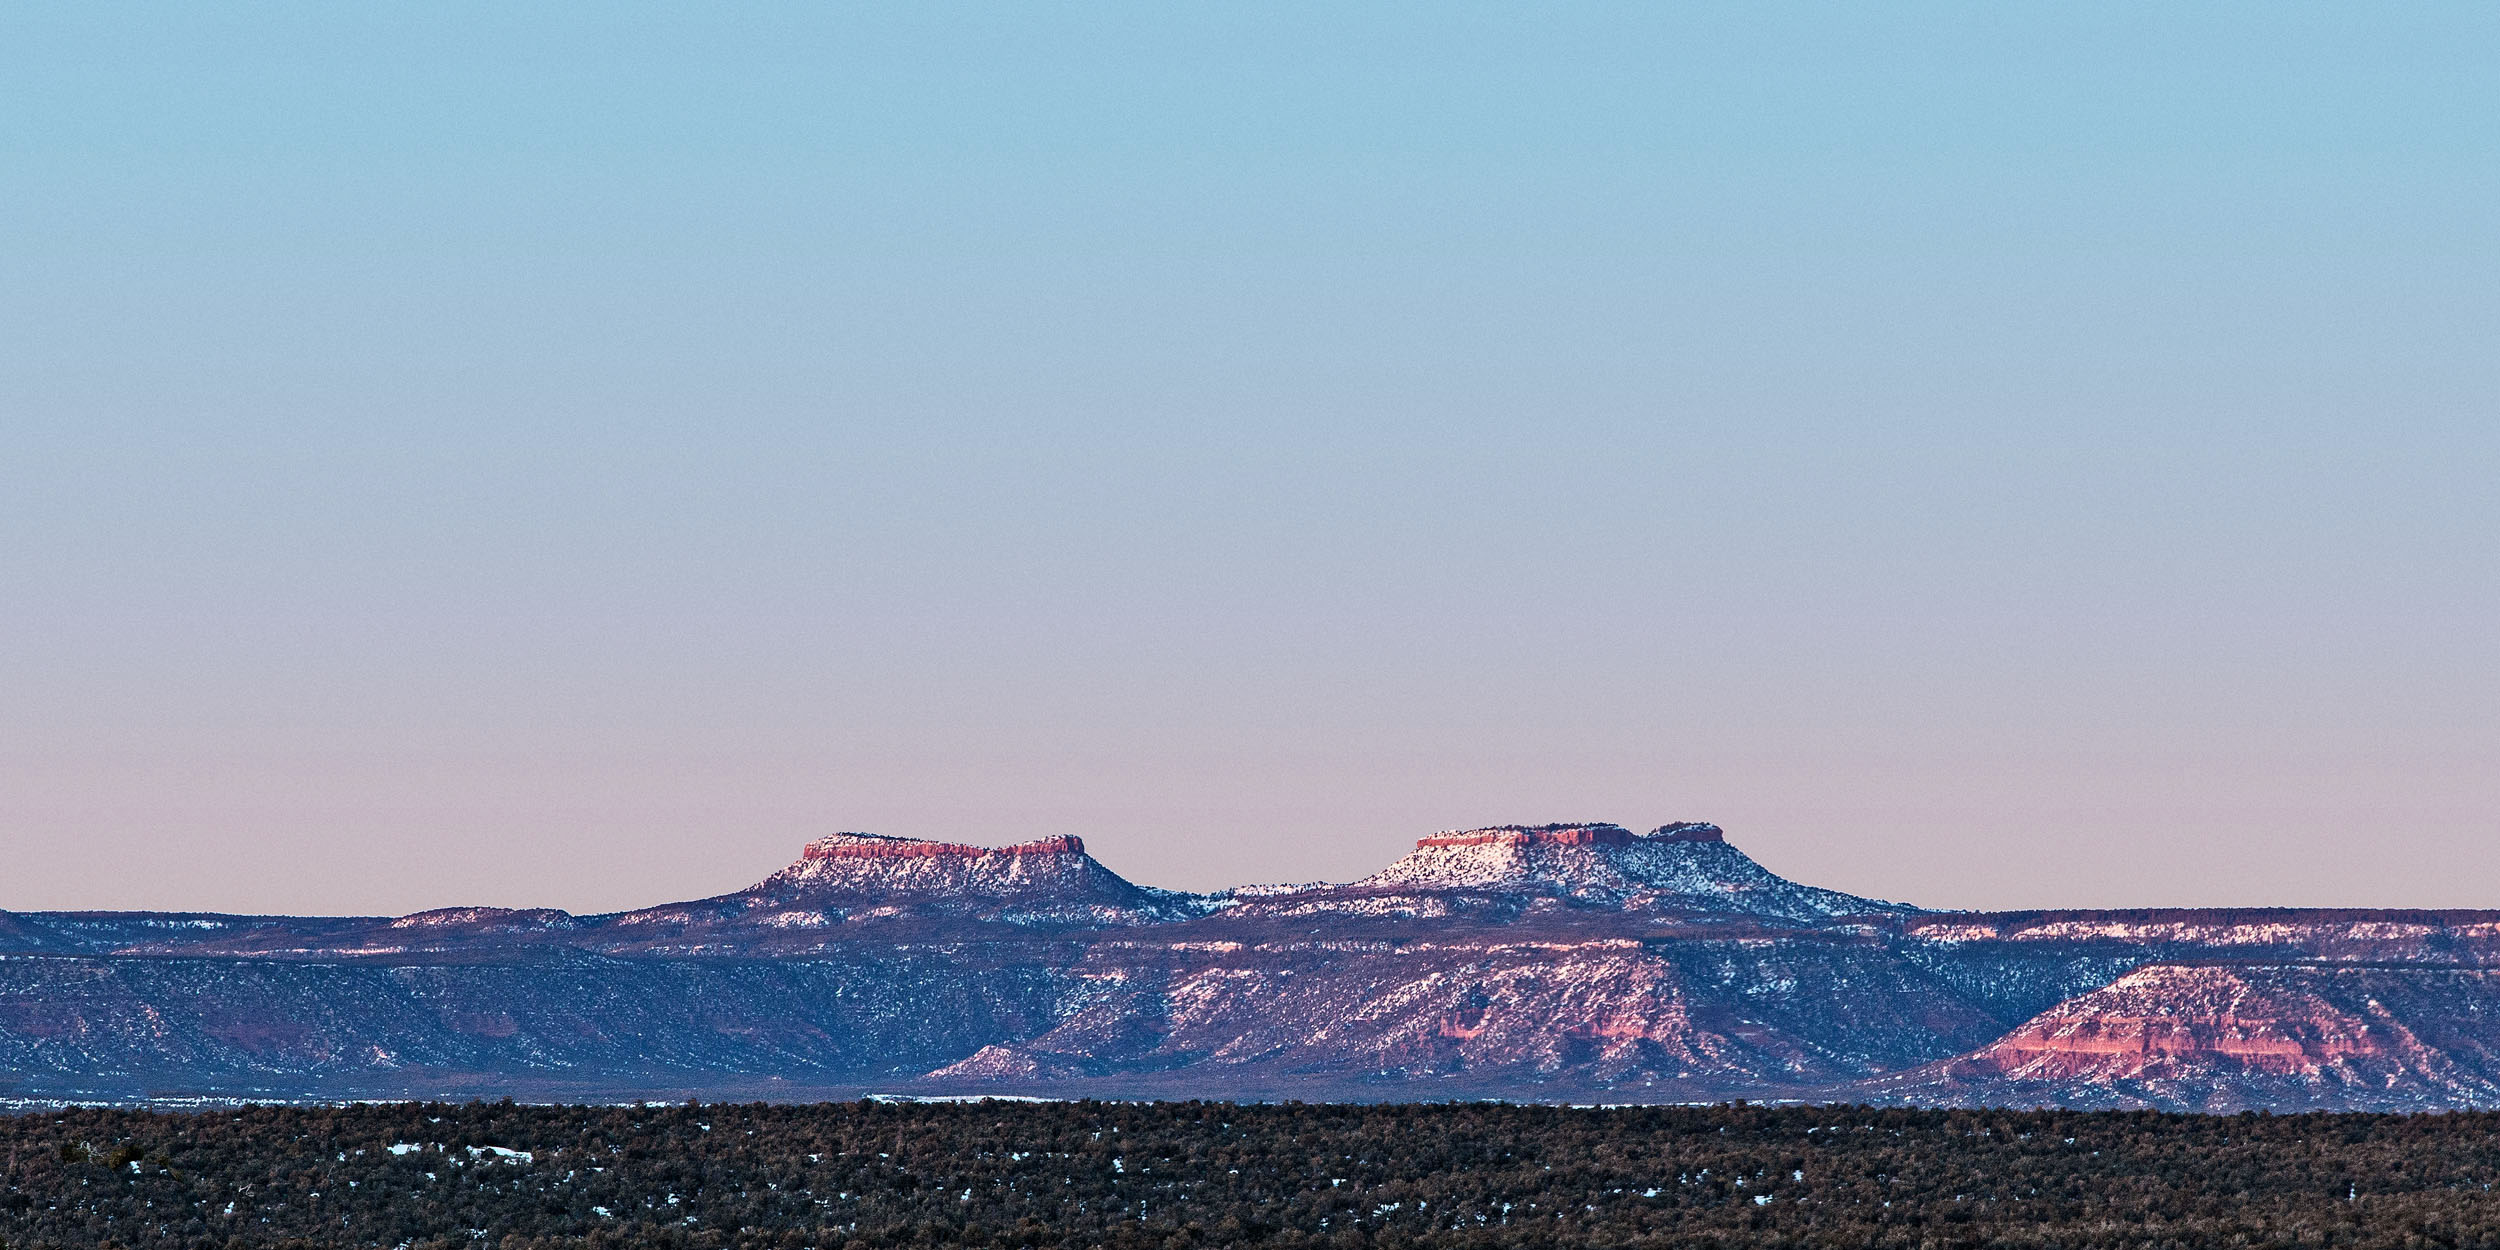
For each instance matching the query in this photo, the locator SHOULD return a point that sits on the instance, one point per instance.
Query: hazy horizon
(1984, 458)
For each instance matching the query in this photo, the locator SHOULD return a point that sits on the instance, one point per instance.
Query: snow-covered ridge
(1593, 834)
(869, 864)
(494, 918)
(1686, 866)
(1043, 881)
(886, 846)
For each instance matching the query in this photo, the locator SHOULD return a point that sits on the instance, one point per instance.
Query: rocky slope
(1570, 961)
(2227, 1038)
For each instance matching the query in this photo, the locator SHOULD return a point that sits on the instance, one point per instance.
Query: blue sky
(1990, 456)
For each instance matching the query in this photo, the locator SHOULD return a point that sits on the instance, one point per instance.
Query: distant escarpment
(1564, 961)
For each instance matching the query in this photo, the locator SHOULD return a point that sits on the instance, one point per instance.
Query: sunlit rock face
(1489, 1013)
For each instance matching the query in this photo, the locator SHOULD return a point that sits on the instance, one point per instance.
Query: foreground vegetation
(1209, 1174)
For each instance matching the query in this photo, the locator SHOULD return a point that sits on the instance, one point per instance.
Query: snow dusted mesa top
(1045, 881)
(1496, 874)
(1687, 866)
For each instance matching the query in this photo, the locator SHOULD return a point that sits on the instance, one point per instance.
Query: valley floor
(1071, 1174)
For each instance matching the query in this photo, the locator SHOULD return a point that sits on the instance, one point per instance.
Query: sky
(1986, 456)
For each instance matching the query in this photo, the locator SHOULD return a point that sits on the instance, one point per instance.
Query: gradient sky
(1988, 456)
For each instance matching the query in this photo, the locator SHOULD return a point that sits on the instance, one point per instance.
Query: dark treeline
(1213, 1174)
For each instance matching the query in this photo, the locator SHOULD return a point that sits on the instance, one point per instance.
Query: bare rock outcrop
(2222, 1037)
